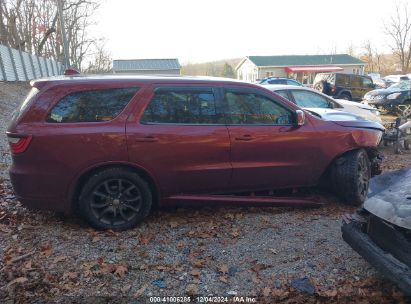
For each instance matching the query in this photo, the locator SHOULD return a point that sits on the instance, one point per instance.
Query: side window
(283, 93)
(250, 108)
(342, 80)
(356, 81)
(292, 82)
(277, 81)
(307, 99)
(367, 82)
(182, 106)
(91, 106)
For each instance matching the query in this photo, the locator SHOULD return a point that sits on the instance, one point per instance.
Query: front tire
(116, 199)
(350, 177)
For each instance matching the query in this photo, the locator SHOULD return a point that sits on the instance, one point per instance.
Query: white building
(300, 67)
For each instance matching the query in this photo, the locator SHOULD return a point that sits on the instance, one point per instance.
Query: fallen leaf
(235, 232)
(266, 291)
(141, 290)
(95, 239)
(162, 268)
(223, 279)
(121, 270)
(108, 268)
(46, 249)
(180, 245)
(60, 258)
(173, 224)
(258, 267)
(144, 240)
(195, 273)
(70, 275)
(330, 293)
(223, 269)
(19, 280)
(126, 288)
(200, 263)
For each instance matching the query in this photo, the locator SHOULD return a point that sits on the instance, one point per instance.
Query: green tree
(228, 71)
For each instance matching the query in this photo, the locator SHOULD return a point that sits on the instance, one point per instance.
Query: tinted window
(356, 81)
(307, 99)
(367, 82)
(283, 93)
(182, 106)
(277, 81)
(91, 106)
(342, 80)
(292, 82)
(249, 108)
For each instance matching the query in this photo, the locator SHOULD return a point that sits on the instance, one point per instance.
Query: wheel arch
(345, 92)
(78, 184)
(371, 153)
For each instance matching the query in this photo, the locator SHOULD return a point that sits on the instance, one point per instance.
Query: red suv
(112, 147)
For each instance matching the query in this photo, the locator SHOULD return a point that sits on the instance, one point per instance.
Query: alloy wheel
(116, 201)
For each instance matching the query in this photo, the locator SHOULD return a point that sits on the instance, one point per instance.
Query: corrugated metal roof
(146, 64)
(301, 60)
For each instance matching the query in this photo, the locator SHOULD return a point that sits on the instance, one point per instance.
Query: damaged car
(381, 230)
(114, 147)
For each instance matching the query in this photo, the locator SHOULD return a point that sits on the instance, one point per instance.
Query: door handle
(147, 139)
(244, 137)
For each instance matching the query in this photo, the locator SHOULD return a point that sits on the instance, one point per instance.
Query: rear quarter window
(91, 105)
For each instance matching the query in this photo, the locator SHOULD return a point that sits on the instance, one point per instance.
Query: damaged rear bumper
(385, 263)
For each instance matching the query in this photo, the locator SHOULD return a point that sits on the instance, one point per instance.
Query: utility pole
(63, 34)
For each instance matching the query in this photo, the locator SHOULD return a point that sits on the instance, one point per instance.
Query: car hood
(389, 197)
(356, 104)
(345, 119)
(382, 92)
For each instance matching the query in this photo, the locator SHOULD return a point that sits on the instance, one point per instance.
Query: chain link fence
(16, 65)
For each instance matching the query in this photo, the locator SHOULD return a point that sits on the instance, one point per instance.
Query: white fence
(16, 65)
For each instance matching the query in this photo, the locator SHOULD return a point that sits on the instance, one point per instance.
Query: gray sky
(198, 30)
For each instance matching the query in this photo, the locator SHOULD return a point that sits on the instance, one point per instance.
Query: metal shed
(147, 66)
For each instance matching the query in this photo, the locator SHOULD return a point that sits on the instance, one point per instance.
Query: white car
(310, 99)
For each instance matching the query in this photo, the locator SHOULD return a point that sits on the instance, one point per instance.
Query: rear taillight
(333, 89)
(19, 144)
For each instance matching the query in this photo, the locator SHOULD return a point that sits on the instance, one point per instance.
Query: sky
(199, 31)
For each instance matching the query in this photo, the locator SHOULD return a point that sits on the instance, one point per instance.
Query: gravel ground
(225, 251)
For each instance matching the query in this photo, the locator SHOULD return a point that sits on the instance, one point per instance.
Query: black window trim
(54, 104)
(258, 92)
(182, 88)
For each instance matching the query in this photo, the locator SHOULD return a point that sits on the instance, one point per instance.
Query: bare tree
(398, 29)
(32, 26)
(101, 62)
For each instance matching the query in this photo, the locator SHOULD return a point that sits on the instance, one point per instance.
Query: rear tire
(116, 199)
(345, 96)
(351, 174)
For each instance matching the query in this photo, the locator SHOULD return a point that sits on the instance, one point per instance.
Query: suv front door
(267, 149)
(178, 135)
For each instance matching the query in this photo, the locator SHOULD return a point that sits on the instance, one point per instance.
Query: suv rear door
(178, 134)
(356, 86)
(267, 149)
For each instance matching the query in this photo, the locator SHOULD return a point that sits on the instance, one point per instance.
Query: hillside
(214, 68)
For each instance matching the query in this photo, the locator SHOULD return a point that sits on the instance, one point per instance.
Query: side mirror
(300, 117)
